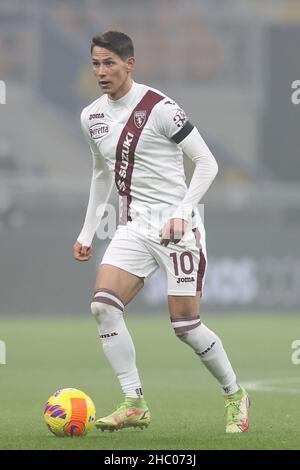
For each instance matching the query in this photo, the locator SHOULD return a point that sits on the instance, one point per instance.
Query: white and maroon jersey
(139, 138)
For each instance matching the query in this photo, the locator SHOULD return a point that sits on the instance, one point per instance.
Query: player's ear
(130, 64)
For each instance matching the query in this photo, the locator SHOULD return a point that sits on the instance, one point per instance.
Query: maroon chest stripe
(126, 148)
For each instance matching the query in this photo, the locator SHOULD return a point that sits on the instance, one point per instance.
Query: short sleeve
(172, 121)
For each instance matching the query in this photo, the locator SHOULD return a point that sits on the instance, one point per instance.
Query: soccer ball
(69, 412)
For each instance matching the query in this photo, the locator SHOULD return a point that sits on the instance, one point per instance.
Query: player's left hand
(173, 231)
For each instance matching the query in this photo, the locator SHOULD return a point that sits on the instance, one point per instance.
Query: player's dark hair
(114, 41)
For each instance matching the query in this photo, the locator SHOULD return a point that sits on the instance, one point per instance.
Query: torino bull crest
(139, 118)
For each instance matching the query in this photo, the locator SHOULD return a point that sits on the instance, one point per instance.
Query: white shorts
(184, 262)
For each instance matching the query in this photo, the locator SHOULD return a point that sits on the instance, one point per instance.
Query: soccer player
(138, 137)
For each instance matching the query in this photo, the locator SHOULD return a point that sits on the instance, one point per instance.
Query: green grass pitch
(48, 353)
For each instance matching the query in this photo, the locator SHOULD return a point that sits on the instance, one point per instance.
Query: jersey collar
(125, 100)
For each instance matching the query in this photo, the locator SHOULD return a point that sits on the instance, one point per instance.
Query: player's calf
(117, 344)
(208, 346)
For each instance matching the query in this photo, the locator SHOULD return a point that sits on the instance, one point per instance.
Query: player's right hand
(82, 253)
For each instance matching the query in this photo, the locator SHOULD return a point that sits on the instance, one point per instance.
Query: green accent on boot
(236, 411)
(133, 412)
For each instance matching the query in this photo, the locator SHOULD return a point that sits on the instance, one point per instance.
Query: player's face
(112, 72)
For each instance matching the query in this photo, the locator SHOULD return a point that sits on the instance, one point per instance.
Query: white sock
(116, 341)
(208, 346)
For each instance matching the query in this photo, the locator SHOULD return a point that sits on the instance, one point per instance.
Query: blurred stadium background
(230, 64)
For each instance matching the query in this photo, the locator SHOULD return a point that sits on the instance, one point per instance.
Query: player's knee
(98, 308)
(104, 315)
(106, 305)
